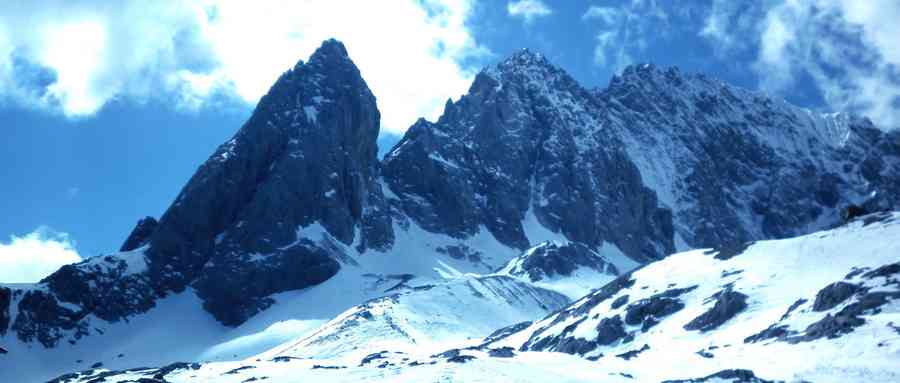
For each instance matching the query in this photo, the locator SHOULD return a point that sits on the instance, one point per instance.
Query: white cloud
(97, 51)
(608, 15)
(610, 52)
(409, 51)
(31, 257)
(623, 30)
(725, 17)
(849, 48)
(528, 10)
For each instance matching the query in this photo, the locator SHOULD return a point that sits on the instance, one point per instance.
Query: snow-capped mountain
(527, 140)
(755, 313)
(528, 193)
(735, 165)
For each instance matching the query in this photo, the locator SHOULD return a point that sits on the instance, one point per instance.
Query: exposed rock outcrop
(140, 234)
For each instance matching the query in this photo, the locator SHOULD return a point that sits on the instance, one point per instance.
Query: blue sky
(107, 108)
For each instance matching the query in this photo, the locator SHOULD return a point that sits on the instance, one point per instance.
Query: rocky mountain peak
(141, 233)
(331, 55)
(525, 140)
(318, 122)
(302, 167)
(649, 71)
(525, 58)
(650, 78)
(305, 162)
(524, 70)
(330, 49)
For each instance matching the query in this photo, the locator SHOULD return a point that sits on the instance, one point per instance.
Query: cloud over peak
(623, 31)
(95, 52)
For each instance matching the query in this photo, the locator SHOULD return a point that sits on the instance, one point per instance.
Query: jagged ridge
(605, 168)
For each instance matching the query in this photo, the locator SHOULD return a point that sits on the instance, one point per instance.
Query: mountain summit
(295, 216)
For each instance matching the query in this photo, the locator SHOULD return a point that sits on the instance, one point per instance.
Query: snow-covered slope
(821, 307)
(824, 307)
(178, 328)
(425, 317)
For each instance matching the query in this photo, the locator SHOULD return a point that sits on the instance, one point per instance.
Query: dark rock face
(610, 330)
(306, 155)
(550, 259)
(728, 304)
(104, 287)
(526, 137)
(852, 211)
(5, 303)
(41, 318)
(162, 372)
(564, 342)
(844, 321)
(772, 332)
(375, 356)
(731, 375)
(503, 352)
(155, 375)
(461, 359)
(833, 295)
(454, 356)
(619, 302)
(321, 367)
(885, 271)
(233, 292)
(140, 234)
(735, 165)
(567, 343)
(647, 312)
(633, 353)
(460, 252)
(239, 369)
(793, 307)
(728, 251)
(505, 332)
(863, 302)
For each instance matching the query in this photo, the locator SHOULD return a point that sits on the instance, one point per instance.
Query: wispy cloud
(607, 15)
(848, 48)
(624, 30)
(31, 257)
(728, 23)
(193, 53)
(528, 10)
